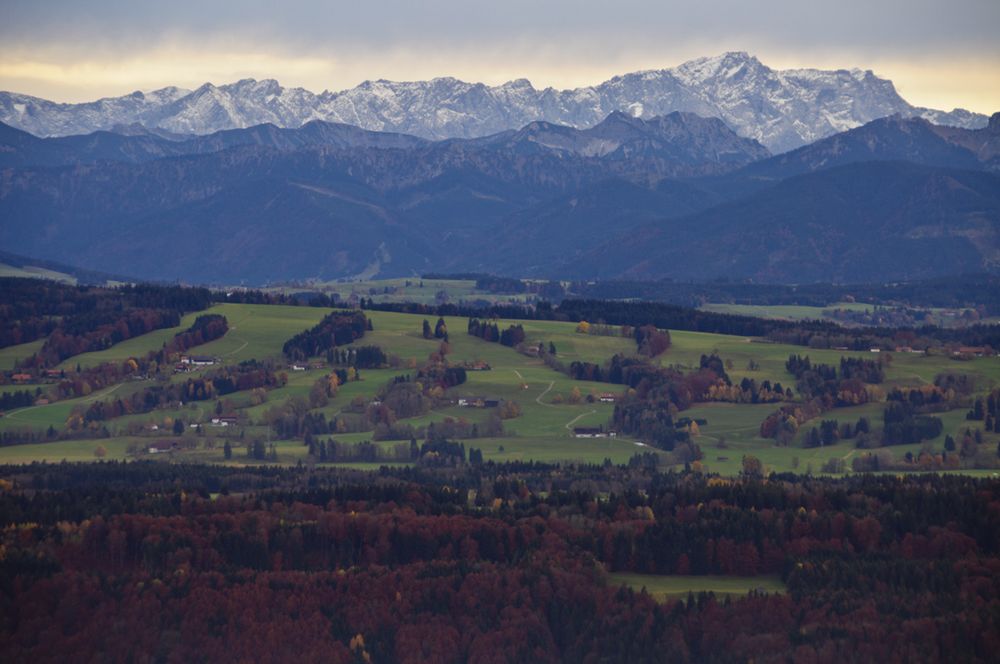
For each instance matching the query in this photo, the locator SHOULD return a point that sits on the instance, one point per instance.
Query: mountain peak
(519, 84)
(739, 56)
(266, 86)
(726, 66)
(621, 116)
(781, 109)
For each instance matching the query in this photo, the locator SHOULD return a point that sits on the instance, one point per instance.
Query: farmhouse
(198, 360)
(478, 402)
(608, 397)
(299, 366)
(163, 447)
(592, 432)
(224, 421)
(21, 378)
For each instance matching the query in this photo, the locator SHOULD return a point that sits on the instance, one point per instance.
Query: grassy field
(65, 450)
(942, 316)
(663, 588)
(543, 432)
(10, 355)
(35, 272)
(408, 289)
(783, 311)
(54, 414)
(255, 331)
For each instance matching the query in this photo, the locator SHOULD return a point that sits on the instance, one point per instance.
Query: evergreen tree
(258, 451)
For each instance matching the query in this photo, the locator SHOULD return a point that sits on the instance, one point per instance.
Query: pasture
(544, 430)
(11, 355)
(406, 289)
(783, 311)
(663, 588)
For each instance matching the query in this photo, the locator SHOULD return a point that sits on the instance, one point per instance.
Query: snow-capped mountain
(781, 109)
(48, 118)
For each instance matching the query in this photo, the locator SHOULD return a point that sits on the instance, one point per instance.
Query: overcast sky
(940, 53)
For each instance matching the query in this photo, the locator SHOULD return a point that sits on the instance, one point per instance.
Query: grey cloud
(871, 27)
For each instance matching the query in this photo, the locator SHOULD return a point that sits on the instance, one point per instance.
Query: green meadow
(11, 355)
(35, 272)
(664, 588)
(544, 430)
(408, 289)
(783, 311)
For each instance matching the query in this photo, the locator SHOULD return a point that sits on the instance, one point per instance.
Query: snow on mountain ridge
(783, 109)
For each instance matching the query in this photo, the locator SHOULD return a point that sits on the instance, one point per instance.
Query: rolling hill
(674, 196)
(862, 222)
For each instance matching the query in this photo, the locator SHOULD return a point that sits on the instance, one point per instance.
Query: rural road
(233, 329)
(573, 421)
(233, 352)
(13, 415)
(538, 399)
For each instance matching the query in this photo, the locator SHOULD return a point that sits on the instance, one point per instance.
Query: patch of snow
(781, 109)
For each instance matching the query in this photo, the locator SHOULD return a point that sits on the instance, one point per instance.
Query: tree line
(87, 316)
(338, 328)
(456, 562)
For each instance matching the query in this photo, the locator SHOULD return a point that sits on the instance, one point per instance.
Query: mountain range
(782, 109)
(676, 195)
